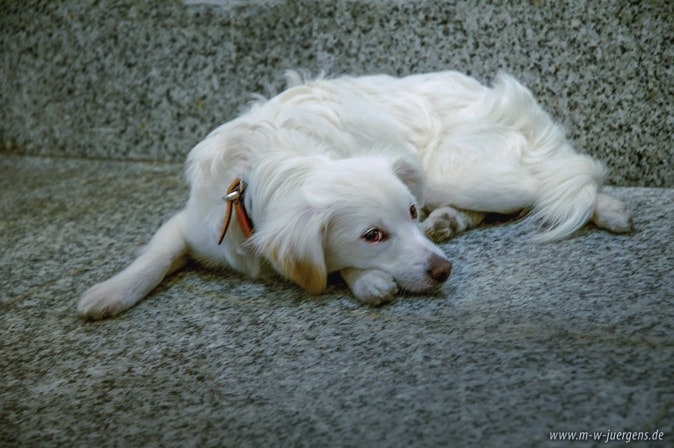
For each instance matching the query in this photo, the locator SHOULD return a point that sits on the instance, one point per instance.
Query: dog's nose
(439, 269)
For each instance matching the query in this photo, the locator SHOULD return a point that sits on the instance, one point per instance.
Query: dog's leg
(446, 222)
(165, 253)
(611, 214)
(370, 286)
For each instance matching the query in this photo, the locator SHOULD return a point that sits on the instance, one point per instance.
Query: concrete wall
(148, 80)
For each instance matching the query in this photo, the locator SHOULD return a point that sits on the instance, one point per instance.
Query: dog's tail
(165, 253)
(567, 197)
(568, 182)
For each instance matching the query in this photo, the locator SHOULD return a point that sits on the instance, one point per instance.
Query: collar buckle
(234, 200)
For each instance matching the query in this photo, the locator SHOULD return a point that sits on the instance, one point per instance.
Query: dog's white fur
(327, 161)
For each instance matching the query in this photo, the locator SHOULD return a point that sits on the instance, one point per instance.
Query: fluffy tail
(567, 197)
(568, 182)
(165, 253)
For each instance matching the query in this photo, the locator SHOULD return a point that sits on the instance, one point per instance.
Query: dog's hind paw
(611, 214)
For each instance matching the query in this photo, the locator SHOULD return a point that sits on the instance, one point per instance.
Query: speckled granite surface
(524, 339)
(148, 80)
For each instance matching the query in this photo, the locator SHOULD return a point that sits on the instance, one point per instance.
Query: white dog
(331, 175)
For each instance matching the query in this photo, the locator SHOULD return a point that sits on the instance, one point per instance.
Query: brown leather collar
(234, 199)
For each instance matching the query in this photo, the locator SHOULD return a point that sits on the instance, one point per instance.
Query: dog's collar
(234, 199)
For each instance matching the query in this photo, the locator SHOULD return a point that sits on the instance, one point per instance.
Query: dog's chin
(429, 288)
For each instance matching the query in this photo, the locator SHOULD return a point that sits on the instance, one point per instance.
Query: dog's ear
(293, 244)
(410, 172)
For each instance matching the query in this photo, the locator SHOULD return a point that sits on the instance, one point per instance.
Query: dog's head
(320, 215)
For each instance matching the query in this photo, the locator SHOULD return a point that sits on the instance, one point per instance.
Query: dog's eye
(413, 211)
(374, 235)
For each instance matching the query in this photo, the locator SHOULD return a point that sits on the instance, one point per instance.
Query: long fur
(327, 161)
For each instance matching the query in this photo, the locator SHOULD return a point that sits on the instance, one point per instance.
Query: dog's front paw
(442, 224)
(446, 222)
(100, 301)
(371, 287)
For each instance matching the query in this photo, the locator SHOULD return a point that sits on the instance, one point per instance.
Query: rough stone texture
(525, 339)
(148, 80)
